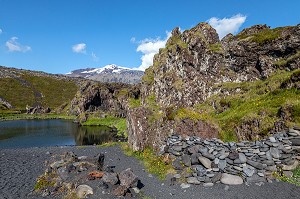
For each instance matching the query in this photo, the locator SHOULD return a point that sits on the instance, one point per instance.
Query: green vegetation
(216, 48)
(259, 100)
(295, 179)
(285, 61)
(108, 144)
(122, 92)
(29, 89)
(184, 113)
(134, 103)
(44, 182)
(118, 123)
(148, 77)
(263, 36)
(154, 164)
(175, 41)
(153, 106)
(22, 116)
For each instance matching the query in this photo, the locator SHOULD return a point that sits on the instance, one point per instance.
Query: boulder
(205, 162)
(229, 179)
(83, 190)
(128, 178)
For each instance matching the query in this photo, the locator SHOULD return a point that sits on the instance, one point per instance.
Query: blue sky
(58, 36)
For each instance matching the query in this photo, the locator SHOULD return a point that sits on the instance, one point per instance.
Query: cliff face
(185, 74)
(103, 98)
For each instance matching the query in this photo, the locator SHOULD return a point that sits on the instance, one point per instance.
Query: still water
(37, 133)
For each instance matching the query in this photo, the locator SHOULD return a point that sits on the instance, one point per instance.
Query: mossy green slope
(28, 89)
(262, 100)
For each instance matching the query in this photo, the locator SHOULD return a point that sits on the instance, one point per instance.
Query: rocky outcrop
(5, 104)
(37, 110)
(73, 176)
(185, 72)
(103, 98)
(148, 130)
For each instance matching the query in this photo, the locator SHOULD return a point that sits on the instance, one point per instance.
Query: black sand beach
(19, 169)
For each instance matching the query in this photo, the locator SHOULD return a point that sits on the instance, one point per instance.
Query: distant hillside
(109, 73)
(19, 88)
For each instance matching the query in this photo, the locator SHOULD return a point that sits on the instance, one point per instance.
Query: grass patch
(81, 147)
(259, 100)
(28, 90)
(264, 36)
(122, 92)
(118, 123)
(43, 182)
(22, 116)
(154, 164)
(134, 103)
(108, 144)
(153, 106)
(295, 179)
(285, 61)
(175, 41)
(185, 113)
(216, 48)
(148, 77)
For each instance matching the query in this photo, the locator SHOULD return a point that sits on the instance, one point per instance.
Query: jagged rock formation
(5, 104)
(103, 98)
(109, 73)
(185, 74)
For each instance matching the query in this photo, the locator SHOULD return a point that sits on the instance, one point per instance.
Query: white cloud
(95, 58)
(227, 25)
(132, 40)
(149, 47)
(79, 48)
(14, 46)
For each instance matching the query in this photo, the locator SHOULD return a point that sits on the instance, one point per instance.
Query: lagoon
(42, 133)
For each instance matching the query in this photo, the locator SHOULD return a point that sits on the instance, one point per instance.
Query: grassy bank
(294, 179)
(22, 116)
(261, 101)
(118, 123)
(154, 164)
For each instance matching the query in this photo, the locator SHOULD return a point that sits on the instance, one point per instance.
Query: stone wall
(210, 161)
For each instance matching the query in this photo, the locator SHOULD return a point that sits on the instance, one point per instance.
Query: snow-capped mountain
(109, 73)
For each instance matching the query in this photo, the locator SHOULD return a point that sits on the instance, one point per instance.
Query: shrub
(154, 164)
(148, 77)
(216, 48)
(134, 103)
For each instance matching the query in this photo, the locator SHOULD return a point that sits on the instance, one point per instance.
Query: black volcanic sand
(19, 169)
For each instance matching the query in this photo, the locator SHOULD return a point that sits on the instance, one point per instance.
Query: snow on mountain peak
(109, 68)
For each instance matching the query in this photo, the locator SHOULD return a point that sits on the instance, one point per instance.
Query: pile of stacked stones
(211, 161)
(83, 176)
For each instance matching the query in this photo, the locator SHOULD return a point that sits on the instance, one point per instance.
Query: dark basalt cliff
(103, 98)
(189, 69)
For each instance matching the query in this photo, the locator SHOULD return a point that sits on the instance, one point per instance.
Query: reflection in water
(39, 133)
(89, 135)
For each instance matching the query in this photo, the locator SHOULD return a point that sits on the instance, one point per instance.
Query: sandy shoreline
(20, 167)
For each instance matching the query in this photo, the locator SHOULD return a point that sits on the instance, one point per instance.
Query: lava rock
(127, 178)
(111, 178)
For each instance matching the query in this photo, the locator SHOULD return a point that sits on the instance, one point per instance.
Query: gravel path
(20, 167)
